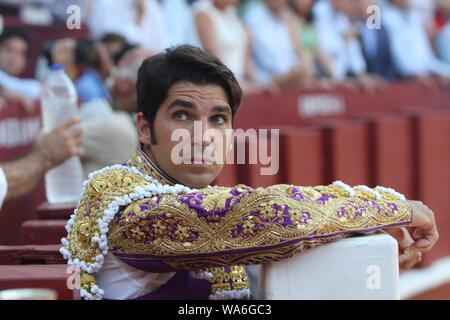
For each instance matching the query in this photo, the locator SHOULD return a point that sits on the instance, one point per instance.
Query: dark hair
(86, 53)
(113, 37)
(185, 63)
(10, 33)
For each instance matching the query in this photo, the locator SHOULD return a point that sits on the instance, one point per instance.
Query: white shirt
(120, 17)
(3, 187)
(29, 88)
(180, 23)
(121, 281)
(424, 8)
(331, 27)
(410, 46)
(272, 48)
(229, 33)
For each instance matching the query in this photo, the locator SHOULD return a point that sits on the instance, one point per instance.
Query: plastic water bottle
(64, 183)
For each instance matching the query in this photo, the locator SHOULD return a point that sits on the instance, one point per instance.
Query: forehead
(203, 95)
(15, 42)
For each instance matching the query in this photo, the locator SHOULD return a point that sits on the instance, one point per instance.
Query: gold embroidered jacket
(163, 227)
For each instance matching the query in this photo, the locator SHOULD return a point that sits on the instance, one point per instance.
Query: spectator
(441, 15)
(21, 176)
(180, 23)
(273, 48)
(14, 50)
(303, 20)
(127, 59)
(338, 38)
(116, 46)
(100, 120)
(443, 36)
(94, 66)
(410, 46)
(141, 22)
(223, 35)
(374, 43)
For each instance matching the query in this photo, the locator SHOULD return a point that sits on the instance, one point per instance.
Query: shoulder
(115, 179)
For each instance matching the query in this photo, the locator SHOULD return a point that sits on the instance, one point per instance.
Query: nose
(202, 127)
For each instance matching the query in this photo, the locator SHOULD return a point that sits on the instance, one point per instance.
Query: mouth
(202, 162)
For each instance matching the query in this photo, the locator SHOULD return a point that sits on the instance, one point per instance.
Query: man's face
(188, 106)
(13, 56)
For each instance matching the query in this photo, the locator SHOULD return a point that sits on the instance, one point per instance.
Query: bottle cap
(56, 67)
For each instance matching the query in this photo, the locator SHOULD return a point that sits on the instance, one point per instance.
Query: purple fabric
(181, 287)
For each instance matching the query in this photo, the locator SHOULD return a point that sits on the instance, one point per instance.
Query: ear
(143, 129)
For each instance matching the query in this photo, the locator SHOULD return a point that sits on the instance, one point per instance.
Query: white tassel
(392, 192)
(370, 191)
(230, 295)
(344, 187)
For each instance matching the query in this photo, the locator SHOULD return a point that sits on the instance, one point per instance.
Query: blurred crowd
(268, 44)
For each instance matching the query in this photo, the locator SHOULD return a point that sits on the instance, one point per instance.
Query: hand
(61, 144)
(407, 257)
(425, 230)
(7, 96)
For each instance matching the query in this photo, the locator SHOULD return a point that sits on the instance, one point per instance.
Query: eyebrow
(191, 105)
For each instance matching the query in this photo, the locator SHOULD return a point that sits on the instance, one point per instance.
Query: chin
(198, 181)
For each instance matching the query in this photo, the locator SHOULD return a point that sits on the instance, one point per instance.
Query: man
(273, 50)
(374, 43)
(142, 22)
(338, 38)
(180, 21)
(14, 50)
(20, 177)
(410, 46)
(140, 226)
(443, 35)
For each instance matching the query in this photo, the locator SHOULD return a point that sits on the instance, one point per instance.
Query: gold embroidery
(236, 279)
(256, 220)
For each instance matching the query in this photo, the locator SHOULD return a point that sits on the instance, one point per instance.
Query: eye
(219, 119)
(180, 116)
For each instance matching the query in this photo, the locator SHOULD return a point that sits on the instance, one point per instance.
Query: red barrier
(55, 211)
(18, 131)
(298, 107)
(55, 277)
(433, 136)
(349, 153)
(302, 157)
(31, 254)
(395, 154)
(43, 232)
